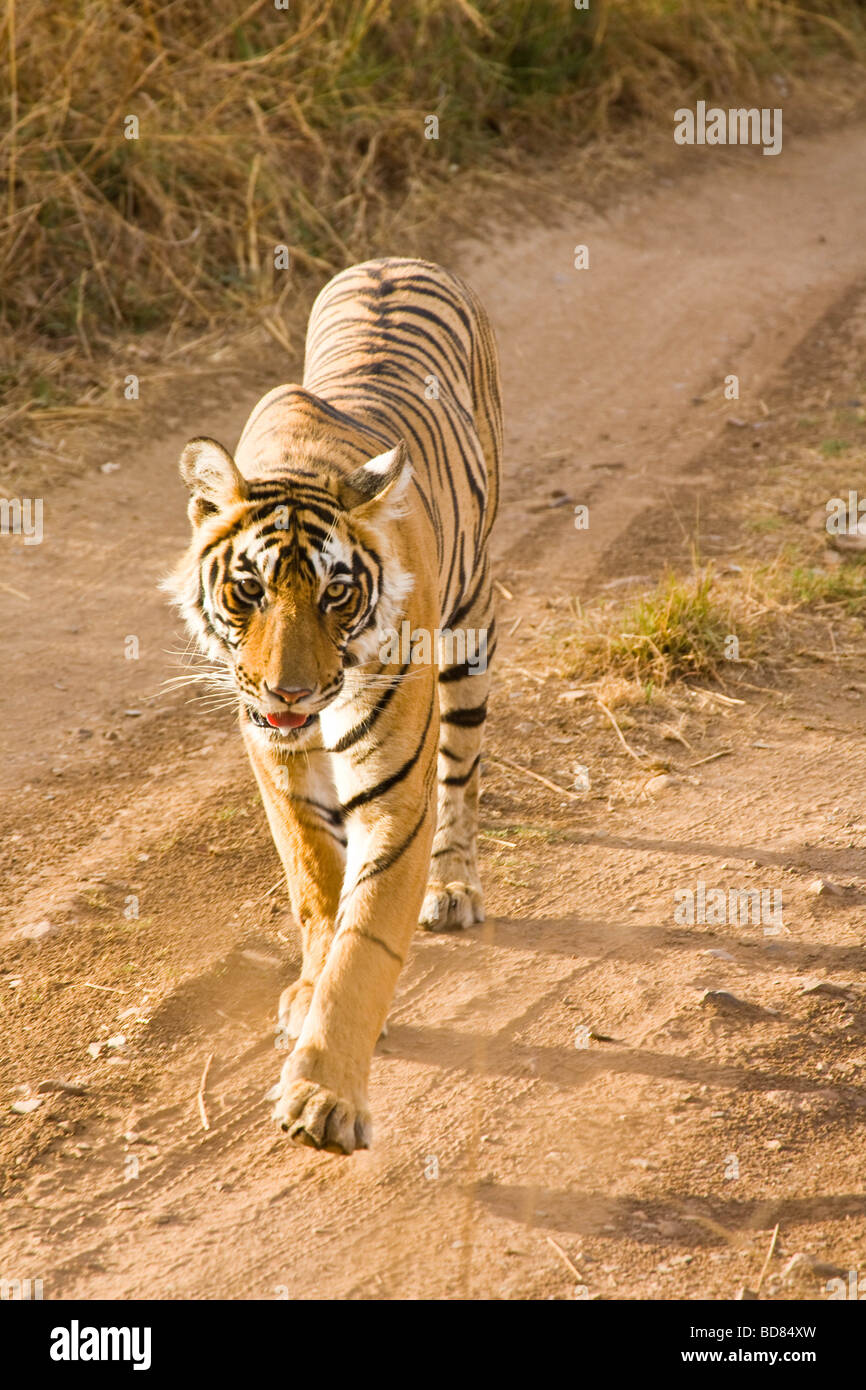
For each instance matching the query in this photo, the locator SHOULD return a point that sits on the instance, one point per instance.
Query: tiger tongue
(287, 721)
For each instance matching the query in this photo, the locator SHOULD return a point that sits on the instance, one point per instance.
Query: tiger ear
(212, 477)
(385, 474)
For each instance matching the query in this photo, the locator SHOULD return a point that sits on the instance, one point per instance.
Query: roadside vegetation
(796, 590)
(154, 156)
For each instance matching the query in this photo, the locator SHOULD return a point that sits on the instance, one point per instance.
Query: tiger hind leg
(454, 897)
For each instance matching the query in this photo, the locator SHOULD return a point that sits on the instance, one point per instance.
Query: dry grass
(684, 627)
(304, 127)
(679, 629)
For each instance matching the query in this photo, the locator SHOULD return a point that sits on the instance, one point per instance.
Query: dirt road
(509, 1142)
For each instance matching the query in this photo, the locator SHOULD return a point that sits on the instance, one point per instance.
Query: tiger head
(289, 581)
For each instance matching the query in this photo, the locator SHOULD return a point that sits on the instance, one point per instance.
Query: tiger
(356, 512)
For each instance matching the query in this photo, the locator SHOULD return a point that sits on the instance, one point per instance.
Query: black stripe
(328, 813)
(468, 604)
(365, 797)
(368, 936)
(460, 781)
(466, 718)
(389, 859)
(455, 673)
(360, 730)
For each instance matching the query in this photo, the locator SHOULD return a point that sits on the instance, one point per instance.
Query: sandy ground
(515, 1156)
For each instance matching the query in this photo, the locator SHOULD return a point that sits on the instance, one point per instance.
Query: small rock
(820, 1102)
(727, 1003)
(261, 961)
(659, 783)
(95, 1048)
(109, 468)
(37, 931)
(746, 1295)
(69, 1088)
(119, 1040)
(737, 423)
(581, 781)
(827, 987)
(823, 885)
(569, 695)
(798, 1264)
(26, 1107)
(803, 1264)
(133, 713)
(719, 955)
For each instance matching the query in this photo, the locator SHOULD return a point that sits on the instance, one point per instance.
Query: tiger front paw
(315, 1114)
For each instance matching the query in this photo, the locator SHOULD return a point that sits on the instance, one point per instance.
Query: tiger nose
(291, 697)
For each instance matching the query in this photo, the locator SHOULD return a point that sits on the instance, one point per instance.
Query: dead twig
(273, 888)
(769, 1257)
(536, 776)
(530, 675)
(277, 332)
(565, 1259)
(632, 754)
(205, 1122)
(714, 695)
(722, 753)
(8, 589)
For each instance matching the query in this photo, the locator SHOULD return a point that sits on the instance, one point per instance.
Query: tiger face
(288, 581)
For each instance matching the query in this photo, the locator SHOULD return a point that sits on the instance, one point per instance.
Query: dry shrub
(304, 127)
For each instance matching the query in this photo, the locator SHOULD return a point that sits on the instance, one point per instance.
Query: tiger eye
(337, 590)
(248, 587)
